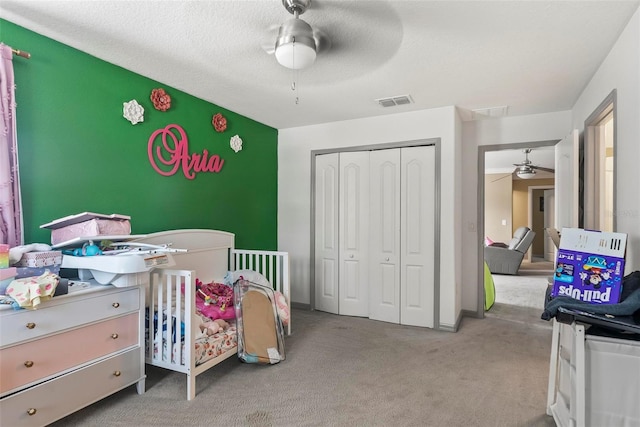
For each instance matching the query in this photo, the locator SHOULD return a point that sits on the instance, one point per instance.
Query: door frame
(590, 197)
(373, 147)
(530, 210)
(549, 246)
(482, 149)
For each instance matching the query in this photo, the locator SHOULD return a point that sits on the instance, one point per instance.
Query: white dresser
(72, 351)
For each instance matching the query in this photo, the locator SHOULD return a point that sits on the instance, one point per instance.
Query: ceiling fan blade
(268, 43)
(323, 42)
(503, 177)
(543, 169)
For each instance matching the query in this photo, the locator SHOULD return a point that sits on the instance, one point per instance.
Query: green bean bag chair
(489, 289)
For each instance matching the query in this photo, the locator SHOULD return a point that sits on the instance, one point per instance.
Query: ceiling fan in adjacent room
(297, 43)
(526, 169)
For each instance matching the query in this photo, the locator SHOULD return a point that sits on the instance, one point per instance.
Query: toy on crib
(282, 308)
(215, 300)
(209, 327)
(214, 326)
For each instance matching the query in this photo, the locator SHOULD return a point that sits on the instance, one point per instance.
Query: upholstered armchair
(506, 259)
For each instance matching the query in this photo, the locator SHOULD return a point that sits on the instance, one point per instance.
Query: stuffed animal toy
(282, 308)
(212, 327)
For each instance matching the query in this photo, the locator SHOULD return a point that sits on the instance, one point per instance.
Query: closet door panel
(417, 236)
(354, 228)
(326, 233)
(384, 279)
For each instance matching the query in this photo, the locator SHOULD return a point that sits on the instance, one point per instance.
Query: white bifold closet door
(384, 302)
(353, 223)
(402, 235)
(374, 234)
(417, 236)
(326, 233)
(342, 225)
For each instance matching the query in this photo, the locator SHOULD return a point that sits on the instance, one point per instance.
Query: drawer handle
(32, 411)
(28, 363)
(31, 325)
(116, 304)
(114, 336)
(117, 373)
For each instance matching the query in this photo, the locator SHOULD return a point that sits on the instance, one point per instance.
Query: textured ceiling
(533, 56)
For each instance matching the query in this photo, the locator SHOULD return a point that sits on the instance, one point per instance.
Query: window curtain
(11, 230)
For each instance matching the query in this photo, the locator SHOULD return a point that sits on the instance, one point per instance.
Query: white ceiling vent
(489, 113)
(395, 100)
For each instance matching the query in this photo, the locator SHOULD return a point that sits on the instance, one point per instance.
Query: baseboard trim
(474, 314)
(451, 328)
(301, 306)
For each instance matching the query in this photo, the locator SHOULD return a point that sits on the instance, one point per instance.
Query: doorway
(541, 215)
(599, 170)
(537, 276)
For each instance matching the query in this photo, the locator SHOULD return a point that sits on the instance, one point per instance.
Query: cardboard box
(88, 224)
(590, 265)
(40, 259)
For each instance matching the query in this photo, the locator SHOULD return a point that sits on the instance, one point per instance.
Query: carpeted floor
(527, 289)
(348, 371)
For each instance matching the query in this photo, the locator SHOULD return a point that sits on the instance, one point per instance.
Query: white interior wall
(508, 130)
(621, 71)
(498, 207)
(294, 189)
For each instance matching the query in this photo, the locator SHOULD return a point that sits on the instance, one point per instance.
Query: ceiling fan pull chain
(294, 73)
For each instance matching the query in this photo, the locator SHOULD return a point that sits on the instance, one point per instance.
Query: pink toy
(282, 307)
(215, 300)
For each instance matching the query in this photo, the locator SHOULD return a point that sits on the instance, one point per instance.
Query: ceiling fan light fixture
(527, 173)
(295, 46)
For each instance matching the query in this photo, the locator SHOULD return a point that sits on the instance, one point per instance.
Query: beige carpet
(528, 288)
(523, 291)
(346, 371)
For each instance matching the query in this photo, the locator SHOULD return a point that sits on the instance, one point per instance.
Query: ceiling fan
(297, 43)
(526, 169)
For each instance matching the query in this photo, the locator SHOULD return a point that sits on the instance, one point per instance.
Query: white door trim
(530, 208)
(482, 149)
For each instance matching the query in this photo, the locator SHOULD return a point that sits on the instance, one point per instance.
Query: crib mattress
(205, 348)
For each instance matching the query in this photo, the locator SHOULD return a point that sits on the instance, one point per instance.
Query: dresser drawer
(26, 363)
(52, 400)
(68, 312)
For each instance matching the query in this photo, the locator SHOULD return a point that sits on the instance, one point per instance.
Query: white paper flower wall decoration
(236, 143)
(133, 111)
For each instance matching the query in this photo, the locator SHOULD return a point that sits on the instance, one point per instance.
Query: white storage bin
(593, 380)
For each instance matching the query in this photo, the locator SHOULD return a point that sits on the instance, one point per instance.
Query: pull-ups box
(590, 265)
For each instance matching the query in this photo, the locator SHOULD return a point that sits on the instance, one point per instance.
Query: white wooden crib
(210, 255)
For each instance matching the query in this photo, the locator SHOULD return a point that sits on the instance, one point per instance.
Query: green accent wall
(78, 153)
